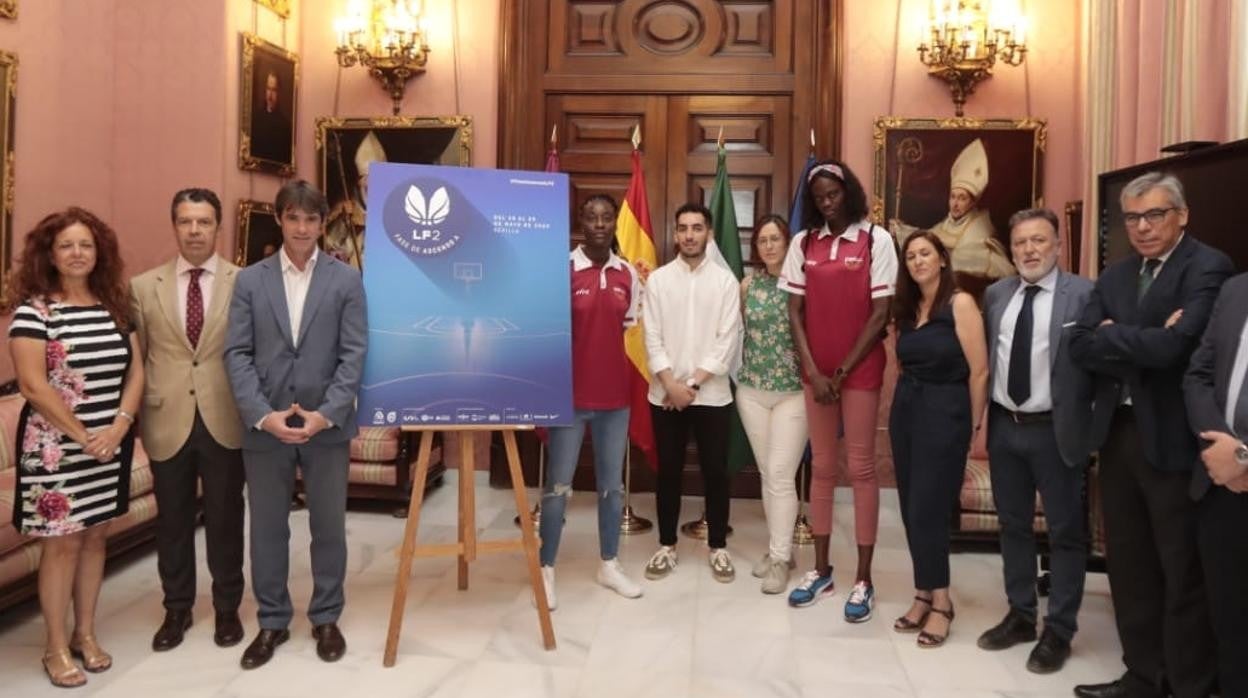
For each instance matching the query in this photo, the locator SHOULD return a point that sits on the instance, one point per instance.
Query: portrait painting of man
(270, 77)
(259, 233)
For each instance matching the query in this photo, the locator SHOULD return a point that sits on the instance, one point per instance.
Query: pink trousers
(857, 409)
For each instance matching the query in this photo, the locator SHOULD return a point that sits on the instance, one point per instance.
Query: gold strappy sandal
(62, 671)
(94, 658)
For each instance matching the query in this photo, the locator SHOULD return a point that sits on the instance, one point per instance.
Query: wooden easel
(468, 546)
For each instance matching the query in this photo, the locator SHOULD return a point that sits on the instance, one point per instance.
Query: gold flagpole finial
(720, 141)
(637, 136)
(812, 141)
(554, 138)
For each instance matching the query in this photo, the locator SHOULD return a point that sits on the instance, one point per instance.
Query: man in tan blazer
(190, 425)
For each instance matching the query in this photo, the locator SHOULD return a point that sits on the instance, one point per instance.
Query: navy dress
(930, 430)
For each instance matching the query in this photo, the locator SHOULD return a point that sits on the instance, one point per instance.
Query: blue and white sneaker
(811, 589)
(861, 601)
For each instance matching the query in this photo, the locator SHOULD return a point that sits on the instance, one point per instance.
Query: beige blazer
(179, 378)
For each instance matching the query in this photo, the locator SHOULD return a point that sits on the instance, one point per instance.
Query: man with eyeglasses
(1140, 327)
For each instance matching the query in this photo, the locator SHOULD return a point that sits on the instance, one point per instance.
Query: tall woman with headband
(840, 272)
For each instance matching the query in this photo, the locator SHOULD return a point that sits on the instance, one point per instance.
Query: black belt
(1025, 417)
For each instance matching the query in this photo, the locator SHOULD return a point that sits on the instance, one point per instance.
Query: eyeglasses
(1153, 216)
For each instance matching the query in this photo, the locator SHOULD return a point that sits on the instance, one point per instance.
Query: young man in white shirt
(692, 328)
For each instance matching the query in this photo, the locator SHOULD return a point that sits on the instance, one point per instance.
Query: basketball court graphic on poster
(467, 280)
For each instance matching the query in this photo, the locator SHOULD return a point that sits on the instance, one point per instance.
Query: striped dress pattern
(60, 489)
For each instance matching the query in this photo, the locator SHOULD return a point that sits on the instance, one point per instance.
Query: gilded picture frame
(259, 234)
(345, 147)
(280, 7)
(8, 102)
(8, 9)
(999, 162)
(267, 105)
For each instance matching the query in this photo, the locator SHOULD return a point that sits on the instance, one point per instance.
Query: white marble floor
(688, 636)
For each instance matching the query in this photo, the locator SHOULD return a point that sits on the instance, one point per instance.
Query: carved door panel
(595, 144)
(756, 131)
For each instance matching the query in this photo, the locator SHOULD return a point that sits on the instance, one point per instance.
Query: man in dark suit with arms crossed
(1137, 333)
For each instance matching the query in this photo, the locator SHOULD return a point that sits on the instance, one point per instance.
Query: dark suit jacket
(1070, 385)
(268, 371)
(1140, 352)
(1209, 376)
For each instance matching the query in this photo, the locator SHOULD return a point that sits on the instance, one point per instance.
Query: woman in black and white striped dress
(72, 347)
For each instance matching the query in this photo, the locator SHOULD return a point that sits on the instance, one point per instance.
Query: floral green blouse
(769, 358)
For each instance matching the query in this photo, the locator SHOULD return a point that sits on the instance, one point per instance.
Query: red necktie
(194, 308)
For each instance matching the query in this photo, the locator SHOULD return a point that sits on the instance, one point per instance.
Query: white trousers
(775, 423)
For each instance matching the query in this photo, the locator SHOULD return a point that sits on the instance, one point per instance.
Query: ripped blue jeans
(609, 431)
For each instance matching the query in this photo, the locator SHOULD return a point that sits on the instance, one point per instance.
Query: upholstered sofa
(977, 525)
(19, 555)
(383, 461)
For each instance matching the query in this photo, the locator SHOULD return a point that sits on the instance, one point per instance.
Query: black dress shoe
(170, 633)
(229, 629)
(1113, 689)
(1049, 655)
(1014, 629)
(260, 651)
(330, 644)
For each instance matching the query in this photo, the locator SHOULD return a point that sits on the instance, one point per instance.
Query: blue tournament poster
(466, 272)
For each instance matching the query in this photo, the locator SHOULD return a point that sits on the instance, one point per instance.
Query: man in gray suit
(1038, 436)
(294, 354)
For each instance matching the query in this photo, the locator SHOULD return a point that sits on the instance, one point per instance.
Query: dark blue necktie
(1147, 275)
(1019, 385)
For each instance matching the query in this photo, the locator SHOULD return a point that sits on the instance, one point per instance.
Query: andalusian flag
(726, 250)
(728, 242)
(634, 233)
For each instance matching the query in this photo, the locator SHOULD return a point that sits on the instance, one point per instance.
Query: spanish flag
(633, 232)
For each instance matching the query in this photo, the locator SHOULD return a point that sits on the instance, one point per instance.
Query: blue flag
(799, 195)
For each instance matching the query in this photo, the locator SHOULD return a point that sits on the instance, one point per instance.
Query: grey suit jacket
(1071, 386)
(269, 371)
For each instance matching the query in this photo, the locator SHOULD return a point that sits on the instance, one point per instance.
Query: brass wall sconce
(962, 41)
(386, 36)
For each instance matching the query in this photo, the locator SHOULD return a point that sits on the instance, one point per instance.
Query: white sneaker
(721, 565)
(548, 581)
(662, 563)
(761, 567)
(776, 579)
(611, 575)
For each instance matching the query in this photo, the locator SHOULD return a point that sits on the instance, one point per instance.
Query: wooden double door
(679, 141)
(764, 72)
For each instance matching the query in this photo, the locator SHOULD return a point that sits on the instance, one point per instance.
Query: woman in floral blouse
(769, 396)
(72, 346)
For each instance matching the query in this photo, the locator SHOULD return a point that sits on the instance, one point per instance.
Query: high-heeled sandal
(905, 625)
(928, 640)
(94, 658)
(62, 671)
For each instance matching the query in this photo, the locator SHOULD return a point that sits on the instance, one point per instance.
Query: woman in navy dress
(941, 389)
(73, 349)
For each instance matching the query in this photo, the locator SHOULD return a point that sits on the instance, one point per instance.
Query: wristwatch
(1241, 454)
(693, 384)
